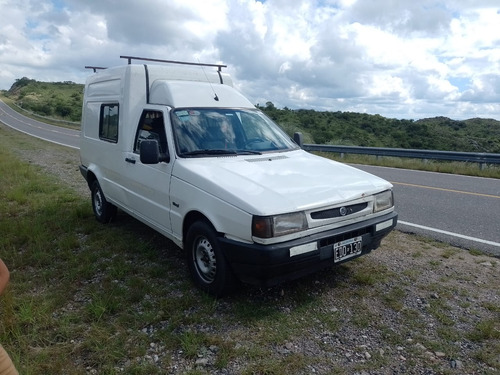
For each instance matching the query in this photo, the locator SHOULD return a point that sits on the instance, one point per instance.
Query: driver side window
(151, 126)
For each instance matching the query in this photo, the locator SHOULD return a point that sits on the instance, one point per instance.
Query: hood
(278, 183)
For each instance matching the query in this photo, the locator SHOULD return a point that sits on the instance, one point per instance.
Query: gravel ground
(423, 274)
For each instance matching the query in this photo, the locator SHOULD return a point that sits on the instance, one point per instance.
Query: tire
(206, 262)
(103, 210)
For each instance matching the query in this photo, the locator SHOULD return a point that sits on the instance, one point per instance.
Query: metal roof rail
(130, 58)
(94, 67)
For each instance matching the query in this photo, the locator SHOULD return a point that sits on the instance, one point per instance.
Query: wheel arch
(91, 177)
(191, 218)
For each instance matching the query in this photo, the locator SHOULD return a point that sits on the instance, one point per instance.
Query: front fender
(187, 199)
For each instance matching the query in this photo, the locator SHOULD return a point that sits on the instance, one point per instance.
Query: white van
(178, 148)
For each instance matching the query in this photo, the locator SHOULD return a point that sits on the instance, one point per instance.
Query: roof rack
(94, 67)
(130, 58)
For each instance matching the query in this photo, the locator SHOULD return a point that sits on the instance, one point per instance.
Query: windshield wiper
(246, 152)
(216, 152)
(209, 152)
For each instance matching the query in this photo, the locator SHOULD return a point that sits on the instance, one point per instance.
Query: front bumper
(268, 265)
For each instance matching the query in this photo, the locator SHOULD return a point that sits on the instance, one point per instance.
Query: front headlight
(383, 201)
(278, 225)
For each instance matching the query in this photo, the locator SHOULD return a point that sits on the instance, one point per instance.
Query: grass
(114, 299)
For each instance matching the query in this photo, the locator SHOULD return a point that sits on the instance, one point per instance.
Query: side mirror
(297, 137)
(150, 153)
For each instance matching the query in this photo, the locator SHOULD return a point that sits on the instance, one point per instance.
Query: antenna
(216, 98)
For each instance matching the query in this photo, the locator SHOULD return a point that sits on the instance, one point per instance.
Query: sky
(404, 59)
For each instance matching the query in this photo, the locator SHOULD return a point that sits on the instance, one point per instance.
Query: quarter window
(108, 126)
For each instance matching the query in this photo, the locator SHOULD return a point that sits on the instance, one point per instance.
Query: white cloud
(403, 59)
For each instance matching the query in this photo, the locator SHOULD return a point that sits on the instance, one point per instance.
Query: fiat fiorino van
(181, 150)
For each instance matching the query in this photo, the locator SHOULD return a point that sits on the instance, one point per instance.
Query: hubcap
(98, 203)
(205, 261)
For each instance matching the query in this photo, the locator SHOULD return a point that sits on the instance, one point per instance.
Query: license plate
(347, 248)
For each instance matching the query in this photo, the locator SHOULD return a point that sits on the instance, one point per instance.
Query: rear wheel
(207, 264)
(103, 210)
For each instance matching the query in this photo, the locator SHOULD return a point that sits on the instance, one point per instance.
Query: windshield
(204, 132)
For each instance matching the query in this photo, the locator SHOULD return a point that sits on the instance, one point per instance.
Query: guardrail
(481, 158)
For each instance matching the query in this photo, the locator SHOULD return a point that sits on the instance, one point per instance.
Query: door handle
(130, 160)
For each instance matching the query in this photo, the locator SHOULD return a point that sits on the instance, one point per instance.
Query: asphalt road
(461, 210)
(51, 133)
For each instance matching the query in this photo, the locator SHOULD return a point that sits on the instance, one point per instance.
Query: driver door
(149, 184)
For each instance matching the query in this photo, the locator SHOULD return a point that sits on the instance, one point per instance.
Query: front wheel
(103, 210)
(206, 262)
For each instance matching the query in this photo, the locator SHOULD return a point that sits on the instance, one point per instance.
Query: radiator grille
(339, 211)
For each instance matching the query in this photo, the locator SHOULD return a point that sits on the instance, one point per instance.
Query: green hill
(360, 129)
(63, 100)
(60, 100)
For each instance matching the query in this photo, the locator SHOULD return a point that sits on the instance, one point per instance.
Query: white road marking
(42, 138)
(450, 233)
